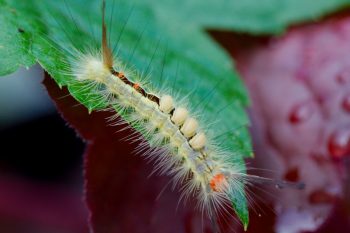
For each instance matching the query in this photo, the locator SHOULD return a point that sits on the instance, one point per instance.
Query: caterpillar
(189, 156)
(181, 145)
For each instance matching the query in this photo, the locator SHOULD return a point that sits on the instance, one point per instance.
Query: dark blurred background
(40, 159)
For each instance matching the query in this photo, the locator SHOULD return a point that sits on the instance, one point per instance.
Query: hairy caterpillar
(182, 145)
(188, 154)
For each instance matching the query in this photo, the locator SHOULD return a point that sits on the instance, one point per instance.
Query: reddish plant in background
(299, 84)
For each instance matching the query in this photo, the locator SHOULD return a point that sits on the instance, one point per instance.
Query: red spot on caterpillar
(218, 182)
(120, 75)
(136, 86)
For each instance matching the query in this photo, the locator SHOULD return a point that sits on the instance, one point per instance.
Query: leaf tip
(245, 225)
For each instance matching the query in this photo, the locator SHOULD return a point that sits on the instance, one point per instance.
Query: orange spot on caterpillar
(136, 86)
(218, 182)
(120, 75)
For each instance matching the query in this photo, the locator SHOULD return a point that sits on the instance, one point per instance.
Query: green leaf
(13, 42)
(198, 62)
(252, 16)
(193, 66)
(239, 202)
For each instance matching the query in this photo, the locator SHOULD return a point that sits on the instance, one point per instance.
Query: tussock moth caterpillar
(182, 144)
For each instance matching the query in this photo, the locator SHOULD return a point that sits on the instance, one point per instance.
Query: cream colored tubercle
(189, 127)
(179, 116)
(166, 104)
(198, 141)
